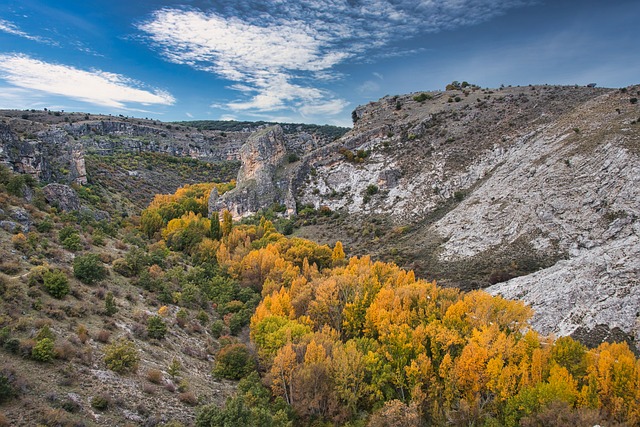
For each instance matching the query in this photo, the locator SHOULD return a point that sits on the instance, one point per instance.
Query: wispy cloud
(11, 28)
(282, 53)
(95, 86)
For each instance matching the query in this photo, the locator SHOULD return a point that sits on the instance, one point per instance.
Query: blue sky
(308, 61)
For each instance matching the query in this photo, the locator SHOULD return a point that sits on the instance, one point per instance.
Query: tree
(234, 362)
(89, 269)
(110, 307)
(43, 350)
(227, 222)
(282, 371)
(156, 328)
(216, 230)
(122, 356)
(56, 283)
(151, 222)
(337, 256)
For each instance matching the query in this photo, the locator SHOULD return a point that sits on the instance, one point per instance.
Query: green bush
(234, 361)
(66, 232)
(43, 350)
(217, 328)
(372, 189)
(15, 186)
(44, 226)
(7, 391)
(72, 243)
(89, 269)
(422, 97)
(56, 283)
(122, 356)
(101, 402)
(156, 328)
(110, 307)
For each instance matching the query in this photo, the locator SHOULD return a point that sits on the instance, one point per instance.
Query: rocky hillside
(530, 191)
(136, 157)
(533, 190)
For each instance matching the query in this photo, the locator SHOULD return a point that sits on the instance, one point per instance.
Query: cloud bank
(283, 54)
(95, 87)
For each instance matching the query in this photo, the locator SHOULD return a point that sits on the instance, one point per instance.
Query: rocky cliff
(140, 157)
(264, 177)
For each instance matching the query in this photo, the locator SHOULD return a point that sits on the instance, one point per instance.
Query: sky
(310, 61)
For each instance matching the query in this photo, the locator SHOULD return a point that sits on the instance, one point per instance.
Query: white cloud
(281, 53)
(95, 87)
(11, 28)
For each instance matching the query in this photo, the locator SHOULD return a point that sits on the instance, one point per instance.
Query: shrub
(216, 328)
(234, 361)
(372, 189)
(122, 356)
(156, 328)
(45, 332)
(83, 333)
(44, 226)
(110, 307)
(188, 398)
(103, 336)
(15, 185)
(89, 269)
(7, 390)
(101, 402)
(56, 283)
(633, 100)
(422, 97)
(72, 243)
(174, 368)
(154, 376)
(43, 350)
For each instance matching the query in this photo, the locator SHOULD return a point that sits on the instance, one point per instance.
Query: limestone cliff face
(262, 179)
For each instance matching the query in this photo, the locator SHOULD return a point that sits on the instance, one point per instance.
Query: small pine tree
(216, 231)
(122, 356)
(43, 350)
(174, 368)
(110, 307)
(156, 328)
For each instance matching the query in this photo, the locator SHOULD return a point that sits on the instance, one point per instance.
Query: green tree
(43, 350)
(122, 356)
(216, 230)
(89, 269)
(110, 307)
(72, 243)
(56, 283)
(227, 222)
(151, 222)
(156, 328)
(234, 361)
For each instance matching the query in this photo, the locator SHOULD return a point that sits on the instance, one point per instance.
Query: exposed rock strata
(260, 181)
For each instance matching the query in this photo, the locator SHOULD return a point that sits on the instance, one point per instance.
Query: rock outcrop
(262, 179)
(62, 196)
